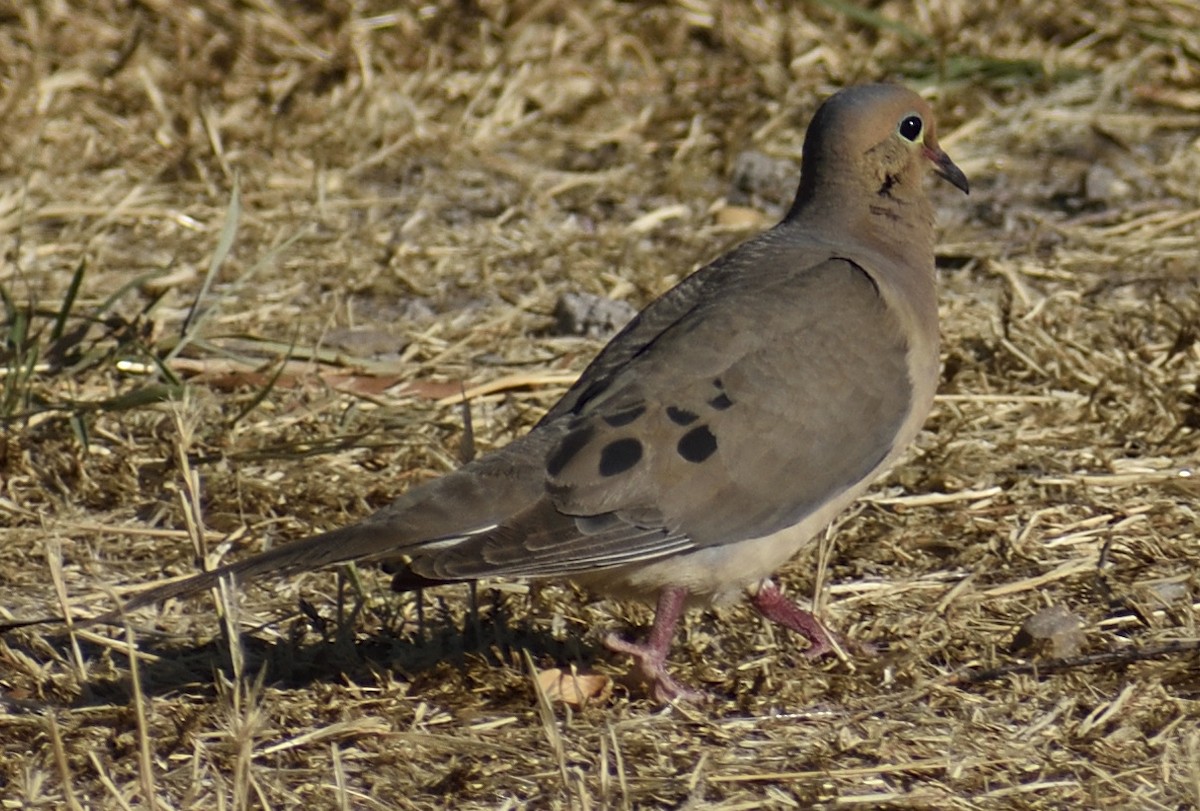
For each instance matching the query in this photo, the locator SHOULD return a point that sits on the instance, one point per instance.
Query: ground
(253, 254)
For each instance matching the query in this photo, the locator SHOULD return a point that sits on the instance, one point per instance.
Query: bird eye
(910, 128)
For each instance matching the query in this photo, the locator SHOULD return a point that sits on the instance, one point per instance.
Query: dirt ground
(253, 254)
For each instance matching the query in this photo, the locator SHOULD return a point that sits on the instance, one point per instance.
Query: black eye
(910, 128)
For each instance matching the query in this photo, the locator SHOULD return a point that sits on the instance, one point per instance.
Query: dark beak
(944, 168)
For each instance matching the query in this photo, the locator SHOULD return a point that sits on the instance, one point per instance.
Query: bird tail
(432, 516)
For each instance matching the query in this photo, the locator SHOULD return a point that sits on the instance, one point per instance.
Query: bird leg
(651, 655)
(773, 605)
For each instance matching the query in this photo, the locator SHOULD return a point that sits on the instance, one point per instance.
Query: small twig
(1123, 656)
(142, 721)
(466, 449)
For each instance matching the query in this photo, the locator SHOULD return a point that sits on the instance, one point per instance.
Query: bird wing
(759, 404)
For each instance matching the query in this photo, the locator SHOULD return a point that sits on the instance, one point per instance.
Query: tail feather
(314, 552)
(434, 515)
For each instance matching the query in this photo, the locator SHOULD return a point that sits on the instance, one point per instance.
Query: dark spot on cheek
(697, 444)
(681, 416)
(570, 445)
(620, 456)
(885, 212)
(889, 181)
(625, 417)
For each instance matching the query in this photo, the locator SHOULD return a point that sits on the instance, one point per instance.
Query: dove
(723, 428)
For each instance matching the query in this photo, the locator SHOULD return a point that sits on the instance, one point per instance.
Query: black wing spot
(697, 444)
(721, 402)
(625, 417)
(570, 445)
(620, 456)
(681, 416)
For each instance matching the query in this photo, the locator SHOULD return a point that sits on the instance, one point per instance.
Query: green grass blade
(64, 312)
(198, 313)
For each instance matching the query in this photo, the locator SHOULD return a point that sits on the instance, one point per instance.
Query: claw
(772, 604)
(651, 666)
(651, 656)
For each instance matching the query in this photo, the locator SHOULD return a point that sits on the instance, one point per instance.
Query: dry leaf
(573, 688)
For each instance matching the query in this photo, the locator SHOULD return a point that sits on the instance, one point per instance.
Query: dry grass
(179, 382)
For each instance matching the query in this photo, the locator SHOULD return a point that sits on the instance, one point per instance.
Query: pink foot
(651, 666)
(651, 656)
(771, 603)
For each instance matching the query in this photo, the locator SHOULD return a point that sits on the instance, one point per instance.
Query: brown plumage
(725, 426)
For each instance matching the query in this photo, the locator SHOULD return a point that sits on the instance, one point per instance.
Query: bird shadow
(305, 648)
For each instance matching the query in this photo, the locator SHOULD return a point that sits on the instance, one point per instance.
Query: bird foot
(651, 665)
(772, 604)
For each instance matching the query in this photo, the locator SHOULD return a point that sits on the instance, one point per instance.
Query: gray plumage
(724, 426)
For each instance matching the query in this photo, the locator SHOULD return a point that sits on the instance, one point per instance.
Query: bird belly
(719, 573)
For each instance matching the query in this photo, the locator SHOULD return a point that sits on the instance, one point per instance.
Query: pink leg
(651, 655)
(771, 603)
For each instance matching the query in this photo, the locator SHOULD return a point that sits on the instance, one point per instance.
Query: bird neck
(893, 217)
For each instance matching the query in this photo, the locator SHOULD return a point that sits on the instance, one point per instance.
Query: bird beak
(944, 168)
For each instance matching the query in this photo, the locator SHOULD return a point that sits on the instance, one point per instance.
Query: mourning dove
(720, 430)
